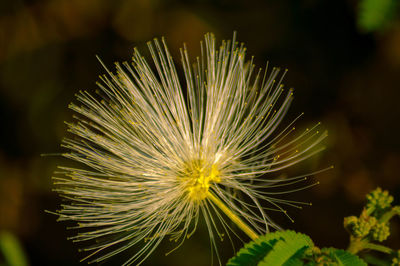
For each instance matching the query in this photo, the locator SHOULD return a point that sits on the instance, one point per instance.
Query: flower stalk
(356, 245)
(234, 218)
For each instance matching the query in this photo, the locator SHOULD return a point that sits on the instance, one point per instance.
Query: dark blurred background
(346, 74)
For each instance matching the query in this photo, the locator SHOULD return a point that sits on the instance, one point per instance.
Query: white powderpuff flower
(158, 154)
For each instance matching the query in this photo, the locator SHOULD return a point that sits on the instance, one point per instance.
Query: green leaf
(346, 258)
(288, 250)
(282, 244)
(372, 260)
(294, 262)
(375, 14)
(343, 257)
(12, 250)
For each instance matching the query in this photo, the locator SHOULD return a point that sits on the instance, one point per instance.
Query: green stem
(232, 216)
(370, 210)
(378, 247)
(388, 215)
(356, 245)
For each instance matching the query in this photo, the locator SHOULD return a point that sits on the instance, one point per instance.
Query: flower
(157, 154)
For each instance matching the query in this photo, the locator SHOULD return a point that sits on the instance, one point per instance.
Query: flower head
(157, 154)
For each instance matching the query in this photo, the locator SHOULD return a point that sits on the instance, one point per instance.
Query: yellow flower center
(199, 178)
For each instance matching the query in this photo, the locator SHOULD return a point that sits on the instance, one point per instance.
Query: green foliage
(277, 246)
(396, 259)
(345, 258)
(12, 250)
(374, 15)
(332, 256)
(289, 248)
(373, 223)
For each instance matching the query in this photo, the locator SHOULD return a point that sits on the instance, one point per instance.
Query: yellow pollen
(199, 179)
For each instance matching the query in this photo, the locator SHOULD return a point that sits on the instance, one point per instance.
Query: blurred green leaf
(12, 250)
(374, 15)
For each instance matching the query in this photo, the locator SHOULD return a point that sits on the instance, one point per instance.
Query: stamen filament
(234, 218)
